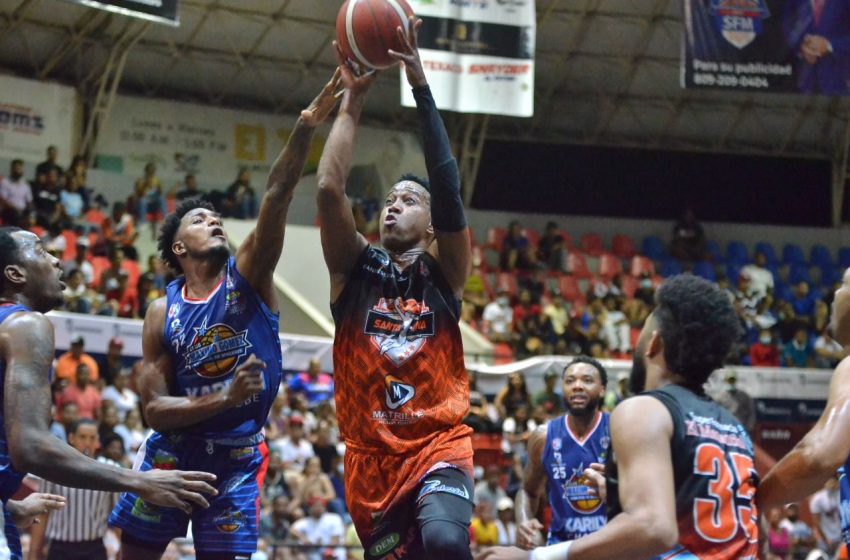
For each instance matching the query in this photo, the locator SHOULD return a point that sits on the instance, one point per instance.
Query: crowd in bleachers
(535, 293)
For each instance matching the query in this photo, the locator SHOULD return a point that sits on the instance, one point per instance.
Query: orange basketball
(366, 29)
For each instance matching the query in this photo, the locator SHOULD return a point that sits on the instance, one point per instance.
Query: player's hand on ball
(410, 56)
(528, 534)
(503, 553)
(594, 476)
(356, 79)
(176, 489)
(26, 512)
(247, 382)
(325, 102)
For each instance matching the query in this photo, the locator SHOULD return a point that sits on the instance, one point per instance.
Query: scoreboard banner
(160, 11)
(478, 55)
(791, 46)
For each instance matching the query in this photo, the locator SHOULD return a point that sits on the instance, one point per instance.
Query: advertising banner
(160, 11)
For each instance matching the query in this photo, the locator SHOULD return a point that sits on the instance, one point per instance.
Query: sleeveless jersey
(398, 358)
(575, 512)
(714, 476)
(844, 501)
(208, 339)
(10, 479)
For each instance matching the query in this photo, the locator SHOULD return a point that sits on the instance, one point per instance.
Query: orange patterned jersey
(398, 358)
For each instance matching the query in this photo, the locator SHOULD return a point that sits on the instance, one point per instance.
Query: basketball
(366, 29)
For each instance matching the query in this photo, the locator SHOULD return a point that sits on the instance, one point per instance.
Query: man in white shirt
(294, 451)
(498, 318)
(505, 523)
(15, 192)
(119, 393)
(761, 279)
(322, 528)
(824, 507)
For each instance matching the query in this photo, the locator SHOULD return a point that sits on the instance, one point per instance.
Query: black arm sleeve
(446, 205)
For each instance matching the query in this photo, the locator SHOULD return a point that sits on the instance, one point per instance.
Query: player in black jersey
(680, 479)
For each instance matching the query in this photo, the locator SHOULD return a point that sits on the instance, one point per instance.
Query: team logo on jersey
(173, 310)
(556, 444)
(399, 328)
(739, 21)
(577, 493)
(397, 392)
(215, 349)
(234, 302)
(229, 521)
(145, 511)
(163, 460)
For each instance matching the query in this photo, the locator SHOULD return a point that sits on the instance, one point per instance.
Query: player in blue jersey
(558, 454)
(30, 285)
(212, 364)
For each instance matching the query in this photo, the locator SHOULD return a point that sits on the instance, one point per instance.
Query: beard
(585, 410)
(637, 377)
(215, 254)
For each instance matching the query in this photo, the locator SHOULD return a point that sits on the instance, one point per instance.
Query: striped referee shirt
(85, 516)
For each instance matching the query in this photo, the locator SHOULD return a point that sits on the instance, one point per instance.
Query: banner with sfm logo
(799, 46)
(478, 55)
(160, 11)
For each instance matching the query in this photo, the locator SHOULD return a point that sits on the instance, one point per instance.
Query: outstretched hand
(324, 103)
(409, 57)
(26, 512)
(356, 79)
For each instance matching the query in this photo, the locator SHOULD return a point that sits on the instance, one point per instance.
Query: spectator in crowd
(324, 448)
(16, 197)
(558, 315)
(314, 384)
(483, 525)
(69, 413)
(497, 319)
(49, 165)
(787, 323)
(517, 253)
(618, 393)
(79, 169)
(764, 352)
(321, 528)
(82, 393)
(803, 303)
(820, 319)
(535, 284)
(778, 539)
(123, 298)
(551, 401)
(828, 351)
(47, 201)
(315, 484)
(136, 433)
(505, 523)
(799, 353)
(294, 450)
(765, 317)
(477, 417)
(489, 490)
(276, 521)
(72, 200)
(516, 429)
(276, 422)
(301, 409)
(156, 273)
(594, 344)
(112, 364)
(512, 396)
(761, 279)
(352, 541)
(616, 330)
(120, 394)
(109, 278)
(737, 401)
(241, 200)
(114, 449)
(189, 190)
(824, 505)
(802, 538)
(67, 364)
(120, 230)
(688, 238)
(148, 197)
(746, 300)
(552, 248)
(80, 262)
(275, 484)
(475, 289)
(76, 293)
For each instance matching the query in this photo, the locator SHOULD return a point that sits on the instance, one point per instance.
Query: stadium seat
(829, 275)
(495, 237)
(799, 273)
(736, 251)
(133, 271)
(532, 236)
(70, 245)
(844, 257)
(712, 249)
(507, 281)
(98, 265)
(591, 243)
(670, 267)
(95, 217)
(820, 255)
(577, 266)
(653, 248)
(704, 270)
(623, 246)
(767, 250)
(630, 285)
(609, 266)
(793, 254)
(641, 265)
(568, 286)
(733, 270)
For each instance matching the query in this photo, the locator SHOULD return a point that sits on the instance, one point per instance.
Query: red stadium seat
(623, 246)
(532, 236)
(133, 272)
(98, 264)
(495, 237)
(507, 281)
(630, 286)
(70, 245)
(569, 288)
(95, 217)
(609, 266)
(577, 266)
(641, 265)
(591, 243)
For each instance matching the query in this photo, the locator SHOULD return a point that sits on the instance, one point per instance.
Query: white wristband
(558, 551)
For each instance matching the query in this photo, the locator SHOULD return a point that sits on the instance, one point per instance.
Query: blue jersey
(844, 503)
(10, 479)
(575, 512)
(209, 338)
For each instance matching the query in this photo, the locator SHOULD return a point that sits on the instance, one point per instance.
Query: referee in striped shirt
(76, 533)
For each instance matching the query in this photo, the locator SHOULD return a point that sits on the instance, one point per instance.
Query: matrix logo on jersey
(215, 349)
(399, 328)
(398, 393)
(739, 21)
(577, 493)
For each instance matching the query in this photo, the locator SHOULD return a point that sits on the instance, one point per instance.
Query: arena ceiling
(607, 72)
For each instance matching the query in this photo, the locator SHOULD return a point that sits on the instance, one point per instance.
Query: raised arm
(258, 255)
(165, 412)
(341, 243)
(27, 347)
(530, 493)
(454, 250)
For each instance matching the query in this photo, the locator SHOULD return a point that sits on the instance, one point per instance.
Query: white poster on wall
(35, 115)
(478, 55)
(213, 143)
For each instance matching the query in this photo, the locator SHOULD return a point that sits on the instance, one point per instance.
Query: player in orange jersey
(401, 384)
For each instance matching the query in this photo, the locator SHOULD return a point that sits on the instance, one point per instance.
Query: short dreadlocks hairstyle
(10, 253)
(416, 179)
(698, 326)
(169, 229)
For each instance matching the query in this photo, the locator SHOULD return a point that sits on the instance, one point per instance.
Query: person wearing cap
(505, 524)
(294, 451)
(80, 261)
(67, 363)
(111, 363)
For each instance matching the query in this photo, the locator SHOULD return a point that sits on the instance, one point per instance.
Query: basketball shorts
(229, 525)
(10, 539)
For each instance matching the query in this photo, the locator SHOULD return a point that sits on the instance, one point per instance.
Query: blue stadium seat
(670, 267)
(653, 248)
(799, 273)
(732, 272)
(785, 293)
(820, 255)
(793, 254)
(704, 270)
(736, 252)
(767, 250)
(844, 257)
(712, 248)
(829, 275)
